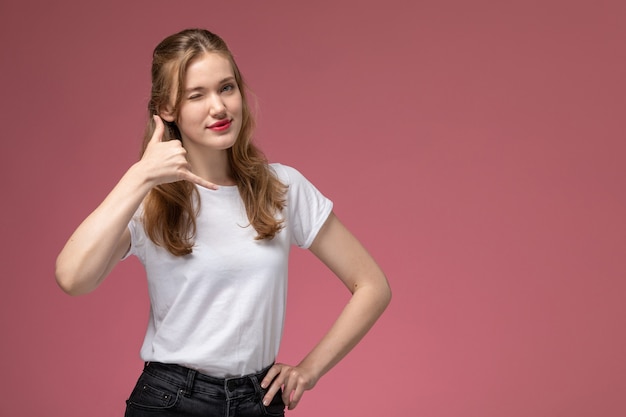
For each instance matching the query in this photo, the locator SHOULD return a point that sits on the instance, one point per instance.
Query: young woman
(212, 222)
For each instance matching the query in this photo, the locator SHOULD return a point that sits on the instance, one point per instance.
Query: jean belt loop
(191, 376)
(257, 384)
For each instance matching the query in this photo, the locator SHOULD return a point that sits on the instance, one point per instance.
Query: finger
(288, 390)
(271, 392)
(159, 129)
(191, 177)
(295, 399)
(274, 384)
(271, 374)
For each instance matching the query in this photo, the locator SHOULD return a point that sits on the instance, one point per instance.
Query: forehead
(208, 69)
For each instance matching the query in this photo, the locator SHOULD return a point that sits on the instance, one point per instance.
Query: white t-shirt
(220, 310)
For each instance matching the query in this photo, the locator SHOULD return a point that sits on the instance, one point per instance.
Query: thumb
(159, 129)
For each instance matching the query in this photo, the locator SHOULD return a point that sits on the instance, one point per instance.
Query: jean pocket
(276, 408)
(150, 393)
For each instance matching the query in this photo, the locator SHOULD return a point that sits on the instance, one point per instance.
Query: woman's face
(210, 113)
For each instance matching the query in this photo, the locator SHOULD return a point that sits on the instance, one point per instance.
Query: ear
(167, 114)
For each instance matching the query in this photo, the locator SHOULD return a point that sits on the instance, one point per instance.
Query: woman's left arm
(336, 247)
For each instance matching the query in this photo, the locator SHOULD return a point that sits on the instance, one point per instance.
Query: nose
(217, 107)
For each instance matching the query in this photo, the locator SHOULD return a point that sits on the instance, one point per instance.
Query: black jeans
(165, 390)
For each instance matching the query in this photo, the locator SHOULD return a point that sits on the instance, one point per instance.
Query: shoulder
(287, 174)
(298, 186)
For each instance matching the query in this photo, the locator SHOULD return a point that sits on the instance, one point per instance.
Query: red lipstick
(221, 125)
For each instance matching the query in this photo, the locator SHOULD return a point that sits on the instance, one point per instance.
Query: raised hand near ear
(103, 237)
(166, 162)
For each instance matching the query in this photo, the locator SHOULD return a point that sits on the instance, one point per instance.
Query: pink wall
(476, 148)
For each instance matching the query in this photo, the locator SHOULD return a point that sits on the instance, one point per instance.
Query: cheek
(190, 114)
(237, 104)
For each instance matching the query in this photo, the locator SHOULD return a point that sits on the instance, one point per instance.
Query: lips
(221, 125)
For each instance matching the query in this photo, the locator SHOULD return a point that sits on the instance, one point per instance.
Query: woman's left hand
(338, 249)
(293, 379)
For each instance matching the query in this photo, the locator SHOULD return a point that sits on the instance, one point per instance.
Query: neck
(212, 165)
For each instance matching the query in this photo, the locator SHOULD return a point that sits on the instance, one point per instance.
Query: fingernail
(266, 403)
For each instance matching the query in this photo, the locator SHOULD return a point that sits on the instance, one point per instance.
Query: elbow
(385, 294)
(68, 281)
(379, 293)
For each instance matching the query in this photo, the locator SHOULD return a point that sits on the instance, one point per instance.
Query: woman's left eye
(228, 87)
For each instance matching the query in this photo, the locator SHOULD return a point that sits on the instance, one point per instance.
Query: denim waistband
(189, 379)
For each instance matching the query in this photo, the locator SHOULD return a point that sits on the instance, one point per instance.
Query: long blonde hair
(170, 210)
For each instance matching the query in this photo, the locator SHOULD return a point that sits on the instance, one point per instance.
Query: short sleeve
(307, 208)
(137, 237)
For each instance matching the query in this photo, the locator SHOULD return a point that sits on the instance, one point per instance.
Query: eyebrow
(201, 88)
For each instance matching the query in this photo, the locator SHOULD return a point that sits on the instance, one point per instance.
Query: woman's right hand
(166, 162)
(103, 238)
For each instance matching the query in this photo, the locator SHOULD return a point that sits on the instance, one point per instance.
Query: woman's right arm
(103, 237)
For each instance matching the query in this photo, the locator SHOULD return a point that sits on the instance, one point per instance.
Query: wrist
(313, 370)
(140, 175)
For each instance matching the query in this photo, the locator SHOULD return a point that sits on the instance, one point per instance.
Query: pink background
(475, 147)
